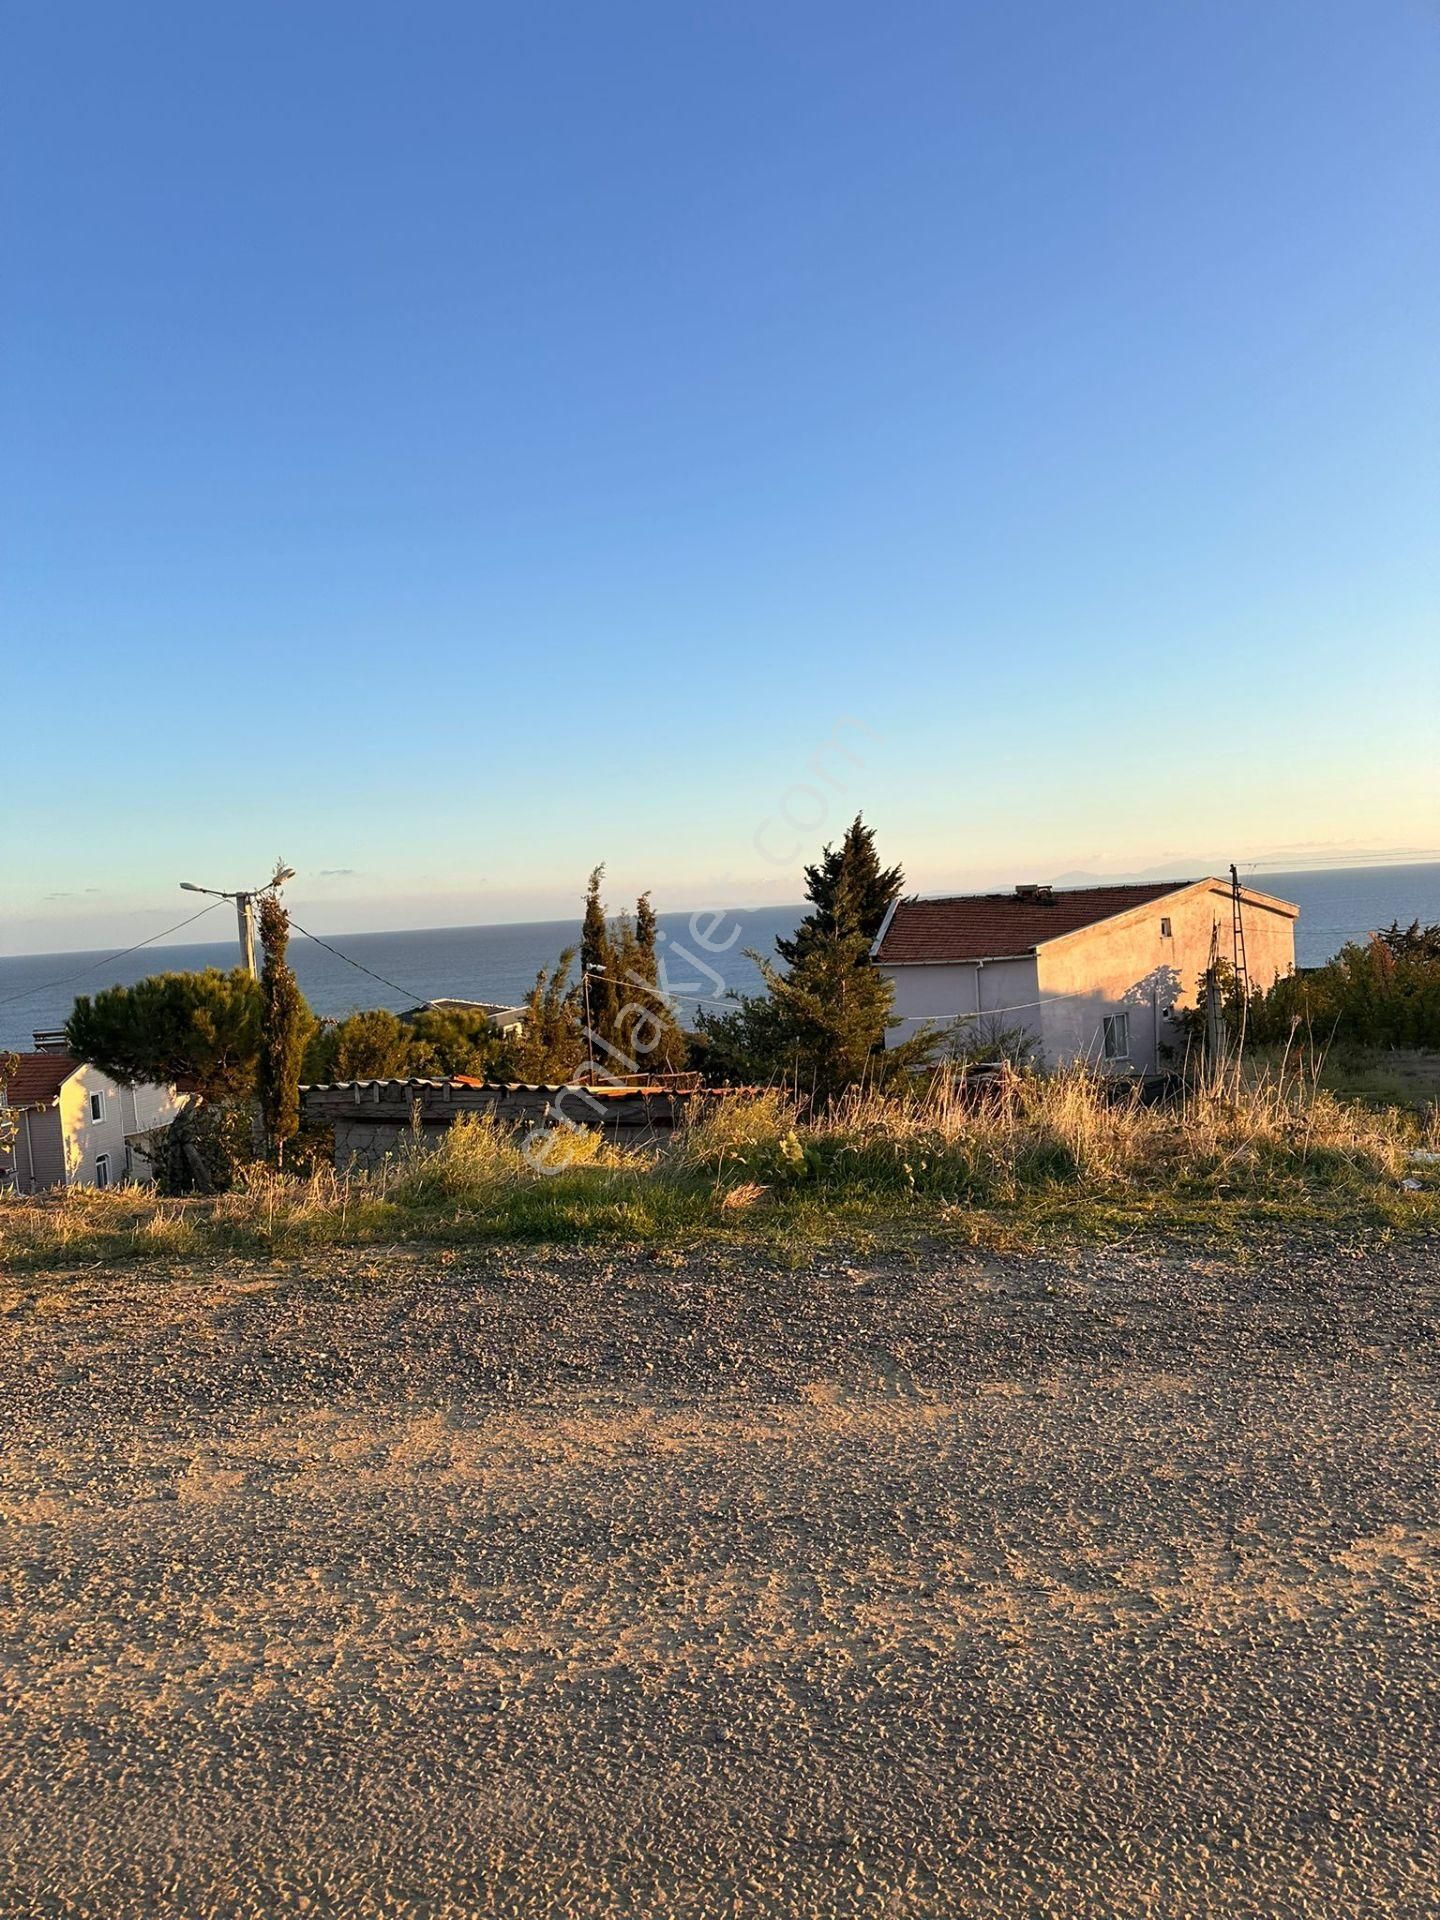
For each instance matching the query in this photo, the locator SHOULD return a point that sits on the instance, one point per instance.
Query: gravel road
(559, 1585)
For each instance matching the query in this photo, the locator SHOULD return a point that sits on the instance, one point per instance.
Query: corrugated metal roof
(469, 1084)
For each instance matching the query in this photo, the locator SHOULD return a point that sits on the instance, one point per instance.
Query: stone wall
(374, 1120)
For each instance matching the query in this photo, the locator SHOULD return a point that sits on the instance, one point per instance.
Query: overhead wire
(408, 993)
(65, 978)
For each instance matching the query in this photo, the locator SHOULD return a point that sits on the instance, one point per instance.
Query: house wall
(41, 1160)
(127, 1111)
(1127, 965)
(995, 993)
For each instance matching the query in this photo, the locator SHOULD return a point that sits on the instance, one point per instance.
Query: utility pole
(245, 914)
(1237, 937)
(244, 911)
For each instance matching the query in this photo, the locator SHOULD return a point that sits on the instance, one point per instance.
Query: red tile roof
(38, 1078)
(990, 926)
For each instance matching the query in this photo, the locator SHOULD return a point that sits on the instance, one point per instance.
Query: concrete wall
(1128, 965)
(993, 994)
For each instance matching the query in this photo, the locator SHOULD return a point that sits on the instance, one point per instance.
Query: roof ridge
(1010, 893)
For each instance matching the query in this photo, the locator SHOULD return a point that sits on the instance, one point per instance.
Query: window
(1164, 928)
(102, 1169)
(97, 1106)
(1116, 1030)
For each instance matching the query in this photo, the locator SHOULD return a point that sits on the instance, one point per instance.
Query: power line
(95, 965)
(407, 993)
(667, 993)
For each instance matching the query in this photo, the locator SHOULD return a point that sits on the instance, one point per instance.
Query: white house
(1086, 973)
(76, 1127)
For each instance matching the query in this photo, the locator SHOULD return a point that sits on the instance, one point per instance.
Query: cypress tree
(284, 1029)
(552, 1044)
(597, 964)
(667, 1049)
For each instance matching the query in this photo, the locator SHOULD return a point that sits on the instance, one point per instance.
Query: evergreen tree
(198, 1027)
(834, 1010)
(553, 1044)
(285, 1025)
(746, 1042)
(824, 1020)
(632, 1019)
(650, 1029)
(598, 971)
(371, 1045)
(849, 892)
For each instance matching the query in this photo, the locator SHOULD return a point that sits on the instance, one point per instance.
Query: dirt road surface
(561, 1585)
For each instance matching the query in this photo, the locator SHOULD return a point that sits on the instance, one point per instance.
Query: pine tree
(285, 1025)
(849, 891)
(201, 1027)
(834, 1011)
(824, 1021)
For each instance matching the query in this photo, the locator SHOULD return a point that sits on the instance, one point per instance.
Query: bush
(204, 1148)
(1383, 993)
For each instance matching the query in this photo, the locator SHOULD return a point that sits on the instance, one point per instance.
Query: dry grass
(1026, 1155)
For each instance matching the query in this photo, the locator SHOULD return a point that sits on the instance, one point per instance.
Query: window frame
(1113, 1026)
(97, 1098)
(102, 1170)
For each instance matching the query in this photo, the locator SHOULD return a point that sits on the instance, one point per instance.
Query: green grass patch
(1038, 1162)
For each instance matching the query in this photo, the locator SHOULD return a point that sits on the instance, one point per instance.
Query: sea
(704, 955)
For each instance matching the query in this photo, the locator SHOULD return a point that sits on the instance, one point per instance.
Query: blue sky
(449, 445)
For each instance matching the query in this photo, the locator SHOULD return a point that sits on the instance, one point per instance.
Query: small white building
(76, 1127)
(1083, 973)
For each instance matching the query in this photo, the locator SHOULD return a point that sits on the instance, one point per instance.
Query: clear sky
(451, 444)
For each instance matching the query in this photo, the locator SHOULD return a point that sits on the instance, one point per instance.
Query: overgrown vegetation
(1027, 1158)
(1384, 992)
(379, 1045)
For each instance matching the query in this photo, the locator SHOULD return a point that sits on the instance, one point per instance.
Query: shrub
(204, 1148)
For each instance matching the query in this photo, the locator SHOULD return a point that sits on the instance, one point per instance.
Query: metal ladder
(1237, 940)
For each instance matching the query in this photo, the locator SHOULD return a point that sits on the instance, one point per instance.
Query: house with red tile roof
(1080, 973)
(75, 1126)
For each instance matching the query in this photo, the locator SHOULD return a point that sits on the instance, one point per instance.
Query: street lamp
(244, 910)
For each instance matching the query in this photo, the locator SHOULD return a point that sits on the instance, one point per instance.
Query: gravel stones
(567, 1585)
